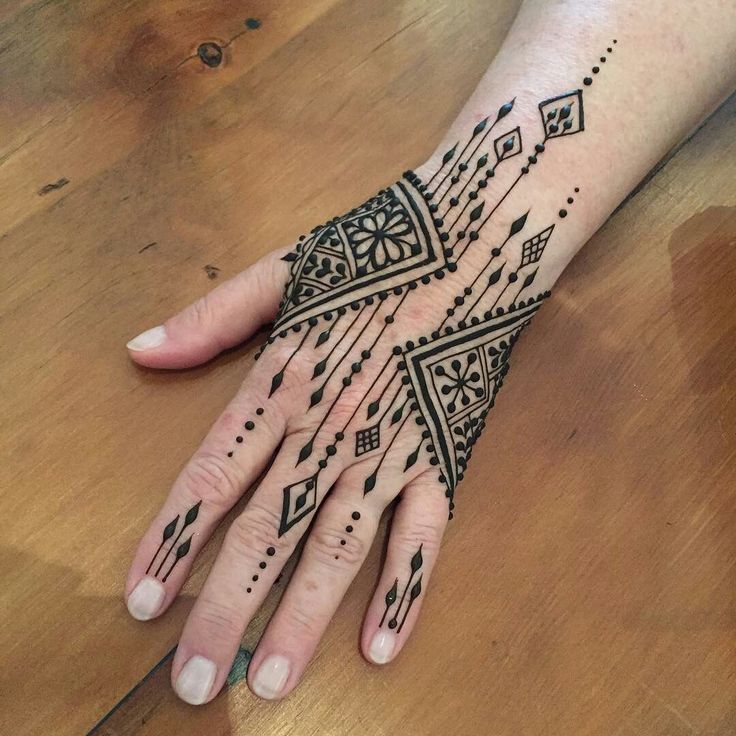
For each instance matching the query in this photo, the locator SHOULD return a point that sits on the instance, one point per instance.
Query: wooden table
(149, 149)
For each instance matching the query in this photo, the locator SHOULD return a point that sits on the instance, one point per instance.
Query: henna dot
(426, 279)
(596, 69)
(532, 159)
(255, 578)
(460, 234)
(609, 49)
(405, 380)
(482, 183)
(337, 557)
(451, 267)
(249, 425)
(365, 354)
(283, 333)
(322, 464)
(462, 324)
(343, 542)
(230, 454)
(355, 306)
(396, 350)
(451, 516)
(433, 208)
(422, 340)
(496, 252)
(473, 195)
(455, 179)
(249, 590)
(397, 290)
(393, 623)
(346, 381)
(349, 529)
(356, 515)
(439, 222)
(271, 551)
(259, 411)
(474, 235)
(562, 213)
(238, 439)
(459, 301)
(355, 367)
(524, 169)
(312, 321)
(339, 436)
(430, 448)
(454, 201)
(420, 421)
(433, 461)
(513, 276)
(297, 328)
(444, 237)
(577, 189)
(382, 295)
(435, 335)
(587, 81)
(463, 167)
(330, 450)
(603, 59)
(570, 200)
(539, 148)
(369, 300)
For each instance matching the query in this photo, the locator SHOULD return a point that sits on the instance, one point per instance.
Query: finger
(333, 553)
(256, 547)
(414, 541)
(232, 456)
(225, 317)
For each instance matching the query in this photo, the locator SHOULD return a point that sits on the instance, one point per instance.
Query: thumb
(225, 317)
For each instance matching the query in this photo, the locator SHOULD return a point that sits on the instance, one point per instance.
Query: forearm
(648, 73)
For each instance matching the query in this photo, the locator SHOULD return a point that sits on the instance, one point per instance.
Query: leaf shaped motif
(319, 368)
(370, 482)
(183, 549)
(518, 225)
(290, 257)
(411, 460)
(170, 528)
(373, 408)
(480, 127)
(276, 382)
(529, 280)
(391, 595)
(476, 212)
(504, 110)
(416, 560)
(496, 275)
(191, 516)
(416, 589)
(305, 452)
(316, 397)
(448, 156)
(323, 337)
(396, 415)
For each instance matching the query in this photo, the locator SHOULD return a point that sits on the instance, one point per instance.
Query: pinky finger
(414, 542)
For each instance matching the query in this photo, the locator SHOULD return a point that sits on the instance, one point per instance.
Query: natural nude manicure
(271, 677)
(149, 339)
(382, 646)
(146, 599)
(195, 680)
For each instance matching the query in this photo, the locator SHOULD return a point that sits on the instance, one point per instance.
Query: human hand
(389, 346)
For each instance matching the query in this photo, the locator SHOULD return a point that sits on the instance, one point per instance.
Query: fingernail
(382, 646)
(146, 599)
(149, 339)
(195, 680)
(271, 676)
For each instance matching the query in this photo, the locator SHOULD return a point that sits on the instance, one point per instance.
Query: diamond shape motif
(367, 439)
(300, 499)
(534, 247)
(507, 145)
(562, 115)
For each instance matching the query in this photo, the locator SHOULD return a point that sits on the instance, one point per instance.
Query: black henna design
(407, 234)
(413, 588)
(182, 549)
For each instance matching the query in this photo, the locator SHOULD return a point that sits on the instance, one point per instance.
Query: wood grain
(589, 590)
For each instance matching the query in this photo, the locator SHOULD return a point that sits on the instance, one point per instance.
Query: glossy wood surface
(587, 583)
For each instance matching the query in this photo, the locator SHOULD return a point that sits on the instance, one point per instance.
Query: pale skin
(670, 66)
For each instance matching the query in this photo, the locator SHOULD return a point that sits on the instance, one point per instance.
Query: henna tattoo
(181, 550)
(413, 588)
(368, 260)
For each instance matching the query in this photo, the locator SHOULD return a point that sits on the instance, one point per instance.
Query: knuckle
(212, 479)
(302, 623)
(218, 622)
(421, 533)
(254, 530)
(333, 548)
(201, 312)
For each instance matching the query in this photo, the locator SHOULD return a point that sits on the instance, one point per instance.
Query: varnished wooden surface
(587, 583)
